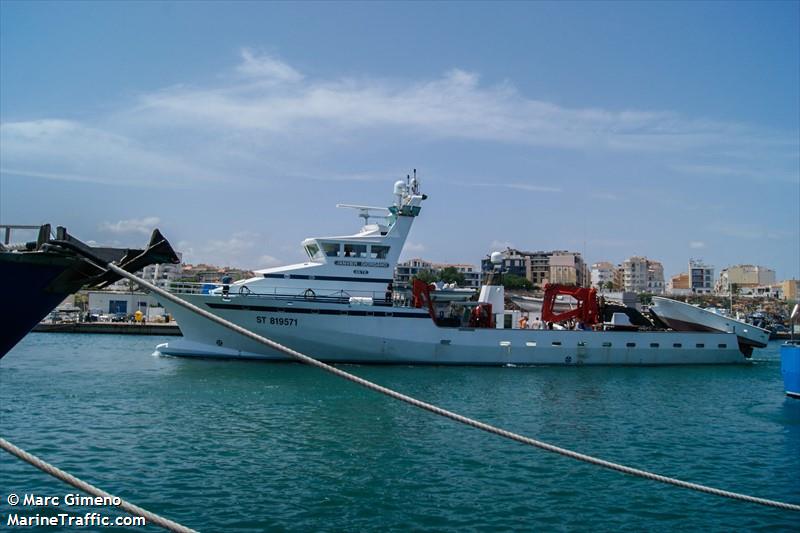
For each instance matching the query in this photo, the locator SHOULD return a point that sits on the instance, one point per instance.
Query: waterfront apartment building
(568, 268)
(791, 290)
(406, 270)
(640, 274)
(679, 284)
(161, 275)
(744, 276)
(203, 273)
(602, 273)
(535, 266)
(557, 266)
(701, 277)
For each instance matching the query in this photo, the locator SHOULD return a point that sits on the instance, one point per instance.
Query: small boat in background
(686, 317)
(532, 304)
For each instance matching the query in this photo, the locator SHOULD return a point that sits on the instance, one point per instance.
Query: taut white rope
(449, 414)
(129, 508)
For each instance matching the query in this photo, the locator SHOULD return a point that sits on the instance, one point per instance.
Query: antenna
(366, 212)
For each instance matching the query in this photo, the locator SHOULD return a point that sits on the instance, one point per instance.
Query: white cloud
(752, 231)
(144, 226)
(529, 187)
(240, 250)
(743, 170)
(268, 119)
(266, 67)
(454, 106)
(610, 196)
(71, 151)
(697, 245)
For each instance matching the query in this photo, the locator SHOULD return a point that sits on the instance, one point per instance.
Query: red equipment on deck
(587, 310)
(421, 293)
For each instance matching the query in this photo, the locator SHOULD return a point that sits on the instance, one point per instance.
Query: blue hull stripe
(350, 312)
(329, 278)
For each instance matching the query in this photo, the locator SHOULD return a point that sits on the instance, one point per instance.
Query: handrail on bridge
(322, 294)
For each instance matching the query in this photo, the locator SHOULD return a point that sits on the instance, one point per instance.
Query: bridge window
(355, 250)
(312, 250)
(331, 249)
(379, 252)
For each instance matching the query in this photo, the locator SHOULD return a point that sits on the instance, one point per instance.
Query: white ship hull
(342, 333)
(685, 317)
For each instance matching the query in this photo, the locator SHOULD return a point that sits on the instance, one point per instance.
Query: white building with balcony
(701, 277)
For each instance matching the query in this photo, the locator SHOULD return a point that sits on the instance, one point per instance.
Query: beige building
(567, 268)
(202, 273)
(791, 289)
(540, 267)
(640, 274)
(744, 276)
(679, 284)
(655, 277)
(619, 275)
(601, 274)
(404, 271)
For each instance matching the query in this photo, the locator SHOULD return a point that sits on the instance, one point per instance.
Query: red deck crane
(587, 310)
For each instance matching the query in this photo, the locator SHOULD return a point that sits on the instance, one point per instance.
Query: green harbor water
(251, 446)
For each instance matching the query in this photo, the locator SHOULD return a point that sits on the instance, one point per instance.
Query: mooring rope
(152, 518)
(449, 414)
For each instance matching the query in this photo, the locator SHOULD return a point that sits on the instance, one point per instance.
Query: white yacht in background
(686, 317)
(340, 306)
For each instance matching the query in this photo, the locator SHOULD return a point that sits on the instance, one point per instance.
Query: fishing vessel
(40, 274)
(340, 306)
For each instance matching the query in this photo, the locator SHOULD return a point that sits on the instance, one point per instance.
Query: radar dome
(497, 257)
(400, 188)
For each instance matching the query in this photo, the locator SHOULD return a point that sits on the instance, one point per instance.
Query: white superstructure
(339, 306)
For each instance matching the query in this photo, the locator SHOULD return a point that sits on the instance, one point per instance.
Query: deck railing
(318, 294)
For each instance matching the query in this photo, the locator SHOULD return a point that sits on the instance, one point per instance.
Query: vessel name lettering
(360, 271)
(276, 321)
(361, 264)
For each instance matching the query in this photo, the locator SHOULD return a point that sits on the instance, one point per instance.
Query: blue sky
(670, 130)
